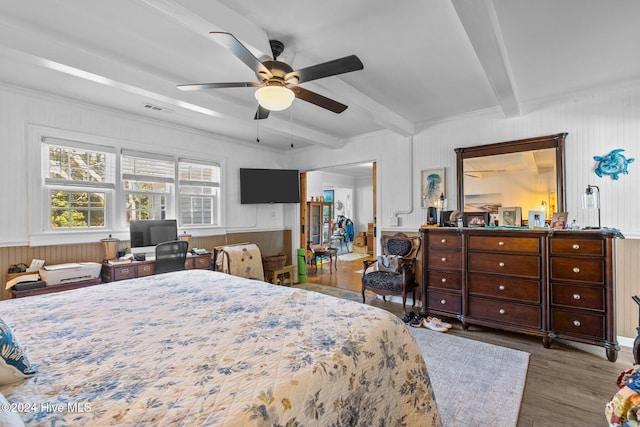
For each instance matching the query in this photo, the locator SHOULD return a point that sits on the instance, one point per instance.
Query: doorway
(350, 191)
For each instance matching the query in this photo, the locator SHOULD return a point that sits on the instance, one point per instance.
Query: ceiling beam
(480, 21)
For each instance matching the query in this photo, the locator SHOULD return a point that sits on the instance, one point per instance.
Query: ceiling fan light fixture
(274, 98)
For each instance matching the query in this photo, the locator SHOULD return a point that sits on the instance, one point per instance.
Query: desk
(54, 288)
(332, 253)
(112, 273)
(274, 275)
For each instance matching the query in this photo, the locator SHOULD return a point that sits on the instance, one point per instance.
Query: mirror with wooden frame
(528, 173)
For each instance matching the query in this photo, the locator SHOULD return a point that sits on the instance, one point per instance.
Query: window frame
(38, 197)
(216, 202)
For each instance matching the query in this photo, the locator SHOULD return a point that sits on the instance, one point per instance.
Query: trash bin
(302, 266)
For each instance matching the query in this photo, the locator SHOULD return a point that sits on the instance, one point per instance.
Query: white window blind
(78, 181)
(199, 190)
(148, 185)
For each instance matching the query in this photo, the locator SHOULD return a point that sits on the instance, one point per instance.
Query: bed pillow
(9, 418)
(14, 364)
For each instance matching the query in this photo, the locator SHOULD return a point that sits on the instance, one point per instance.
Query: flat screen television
(146, 234)
(269, 186)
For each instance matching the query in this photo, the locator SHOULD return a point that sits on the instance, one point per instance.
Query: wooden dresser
(547, 283)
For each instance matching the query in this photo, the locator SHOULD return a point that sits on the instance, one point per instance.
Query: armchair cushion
(386, 281)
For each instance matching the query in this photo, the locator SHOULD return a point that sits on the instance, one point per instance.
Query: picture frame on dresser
(510, 216)
(476, 219)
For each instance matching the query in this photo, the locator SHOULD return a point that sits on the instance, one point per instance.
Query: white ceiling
(424, 60)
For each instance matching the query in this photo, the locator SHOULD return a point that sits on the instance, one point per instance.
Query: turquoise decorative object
(612, 164)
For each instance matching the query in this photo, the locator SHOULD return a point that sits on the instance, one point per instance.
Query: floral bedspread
(204, 348)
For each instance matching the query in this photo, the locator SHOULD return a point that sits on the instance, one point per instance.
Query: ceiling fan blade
(326, 69)
(261, 113)
(201, 86)
(229, 41)
(319, 100)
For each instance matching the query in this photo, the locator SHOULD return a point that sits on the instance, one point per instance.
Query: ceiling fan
(277, 82)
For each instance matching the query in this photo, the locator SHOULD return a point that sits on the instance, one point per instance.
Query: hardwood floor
(568, 384)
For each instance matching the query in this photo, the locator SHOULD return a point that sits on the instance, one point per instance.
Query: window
(84, 188)
(148, 185)
(79, 180)
(199, 189)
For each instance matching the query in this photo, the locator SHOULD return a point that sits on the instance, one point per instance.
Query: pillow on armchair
(388, 263)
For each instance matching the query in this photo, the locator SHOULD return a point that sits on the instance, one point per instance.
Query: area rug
(475, 384)
(351, 256)
(337, 292)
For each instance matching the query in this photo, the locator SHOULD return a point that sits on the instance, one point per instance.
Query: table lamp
(185, 237)
(591, 200)
(109, 245)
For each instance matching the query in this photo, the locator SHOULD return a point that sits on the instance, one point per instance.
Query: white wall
(596, 124)
(22, 110)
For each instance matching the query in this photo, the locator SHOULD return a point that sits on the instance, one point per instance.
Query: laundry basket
(274, 262)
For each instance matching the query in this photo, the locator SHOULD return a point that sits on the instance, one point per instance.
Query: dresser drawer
(146, 269)
(504, 244)
(517, 265)
(588, 297)
(446, 260)
(444, 279)
(444, 301)
(505, 287)
(579, 269)
(577, 246)
(124, 272)
(202, 262)
(578, 323)
(444, 240)
(505, 312)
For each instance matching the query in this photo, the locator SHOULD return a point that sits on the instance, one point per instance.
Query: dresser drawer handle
(125, 271)
(577, 323)
(502, 311)
(443, 301)
(146, 268)
(443, 259)
(576, 270)
(443, 241)
(576, 296)
(500, 243)
(576, 246)
(501, 264)
(443, 280)
(501, 288)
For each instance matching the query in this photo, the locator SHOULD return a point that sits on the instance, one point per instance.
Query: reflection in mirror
(525, 173)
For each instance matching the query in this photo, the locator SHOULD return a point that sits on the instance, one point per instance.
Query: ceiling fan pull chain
(291, 121)
(257, 130)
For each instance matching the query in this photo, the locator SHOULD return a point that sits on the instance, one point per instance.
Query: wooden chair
(399, 281)
(171, 256)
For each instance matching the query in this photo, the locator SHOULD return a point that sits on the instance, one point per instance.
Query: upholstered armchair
(394, 272)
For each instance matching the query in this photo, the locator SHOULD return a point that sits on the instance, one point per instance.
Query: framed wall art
(432, 184)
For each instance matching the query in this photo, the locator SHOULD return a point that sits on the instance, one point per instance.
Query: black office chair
(171, 256)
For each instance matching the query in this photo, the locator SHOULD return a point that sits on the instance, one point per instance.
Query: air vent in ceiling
(156, 108)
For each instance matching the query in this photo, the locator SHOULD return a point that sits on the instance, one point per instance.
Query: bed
(200, 347)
